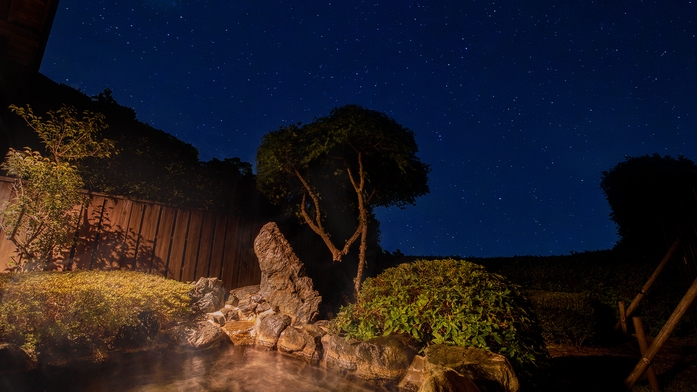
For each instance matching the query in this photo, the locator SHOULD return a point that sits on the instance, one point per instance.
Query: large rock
(489, 371)
(448, 381)
(303, 342)
(384, 360)
(200, 335)
(241, 333)
(283, 281)
(208, 295)
(270, 329)
(339, 353)
(13, 359)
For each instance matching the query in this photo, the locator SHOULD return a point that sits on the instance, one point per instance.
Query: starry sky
(518, 106)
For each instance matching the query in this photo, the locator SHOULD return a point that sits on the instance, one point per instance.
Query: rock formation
(283, 282)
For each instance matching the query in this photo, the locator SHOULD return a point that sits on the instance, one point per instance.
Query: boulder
(384, 360)
(270, 329)
(200, 335)
(339, 353)
(302, 342)
(13, 359)
(241, 333)
(217, 318)
(284, 284)
(208, 295)
(241, 292)
(489, 371)
(448, 381)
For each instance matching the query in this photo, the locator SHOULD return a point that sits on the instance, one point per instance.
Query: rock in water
(489, 371)
(270, 328)
(283, 281)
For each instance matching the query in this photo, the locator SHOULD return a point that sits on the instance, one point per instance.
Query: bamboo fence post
(623, 318)
(667, 329)
(643, 346)
(649, 282)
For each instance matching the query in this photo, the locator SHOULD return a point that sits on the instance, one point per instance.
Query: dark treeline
(151, 164)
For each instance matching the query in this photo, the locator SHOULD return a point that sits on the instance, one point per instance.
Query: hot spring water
(232, 368)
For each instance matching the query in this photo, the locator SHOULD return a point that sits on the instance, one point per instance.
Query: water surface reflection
(232, 368)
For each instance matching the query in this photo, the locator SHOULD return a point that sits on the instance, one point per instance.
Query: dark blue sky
(518, 105)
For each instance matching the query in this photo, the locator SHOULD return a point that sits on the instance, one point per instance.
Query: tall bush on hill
(650, 196)
(41, 215)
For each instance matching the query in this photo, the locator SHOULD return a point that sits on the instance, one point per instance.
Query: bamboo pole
(649, 282)
(623, 317)
(663, 335)
(643, 346)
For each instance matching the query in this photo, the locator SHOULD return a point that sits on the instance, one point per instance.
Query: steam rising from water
(233, 369)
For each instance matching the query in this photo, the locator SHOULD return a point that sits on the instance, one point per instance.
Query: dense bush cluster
(446, 301)
(42, 309)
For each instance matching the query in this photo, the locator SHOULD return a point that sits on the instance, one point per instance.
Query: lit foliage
(364, 155)
(43, 210)
(38, 309)
(445, 301)
(40, 216)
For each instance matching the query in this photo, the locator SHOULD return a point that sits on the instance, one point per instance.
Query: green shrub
(446, 301)
(42, 309)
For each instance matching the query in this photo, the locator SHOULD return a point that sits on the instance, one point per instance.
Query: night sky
(518, 106)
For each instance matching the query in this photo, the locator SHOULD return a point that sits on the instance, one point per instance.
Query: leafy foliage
(40, 217)
(41, 212)
(340, 167)
(66, 136)
(38, 309)
(446, 301)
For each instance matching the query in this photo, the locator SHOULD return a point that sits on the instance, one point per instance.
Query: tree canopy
(343, 164)
(650, 197)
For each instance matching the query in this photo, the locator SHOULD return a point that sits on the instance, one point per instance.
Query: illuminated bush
(445, 301)
(42, 309)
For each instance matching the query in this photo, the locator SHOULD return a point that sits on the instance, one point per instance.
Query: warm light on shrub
(41, 308)
(446, 301)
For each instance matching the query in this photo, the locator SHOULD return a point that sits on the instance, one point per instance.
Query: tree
(40, 216)
(650, 196)
(352, 151)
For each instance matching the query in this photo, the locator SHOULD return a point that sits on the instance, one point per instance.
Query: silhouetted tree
(353, 151)
(650, 196)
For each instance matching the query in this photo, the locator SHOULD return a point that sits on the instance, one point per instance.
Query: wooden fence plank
(111, 233)
(230, 265)
(193, 245)
(243, 269)
(218, 253)
(176, 254)
(131, 237)
(145, 247)
(87, 236)
(116, 232)
(163, 240)
(206, 249)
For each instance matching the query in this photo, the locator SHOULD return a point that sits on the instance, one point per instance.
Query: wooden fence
(183, 244)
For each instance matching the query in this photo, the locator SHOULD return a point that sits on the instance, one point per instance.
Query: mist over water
(232, 368)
